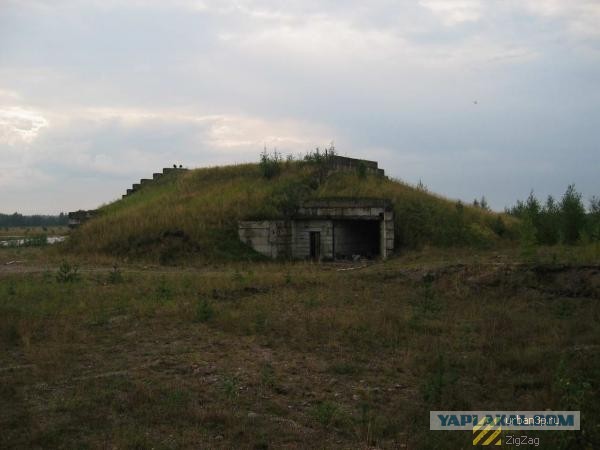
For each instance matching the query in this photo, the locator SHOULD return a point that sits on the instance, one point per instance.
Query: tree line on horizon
(564, 221)
(35, 220)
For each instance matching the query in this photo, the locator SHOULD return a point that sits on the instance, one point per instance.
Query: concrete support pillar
(382, 239)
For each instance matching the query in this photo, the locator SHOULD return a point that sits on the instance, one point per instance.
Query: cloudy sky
(473, 97)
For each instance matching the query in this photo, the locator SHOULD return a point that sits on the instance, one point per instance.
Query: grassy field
(281, 355)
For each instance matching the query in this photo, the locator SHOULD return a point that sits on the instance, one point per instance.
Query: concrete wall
(387, 234)
(338, 208)
(76, 218)
(301, 238)
(345, 163)
(272, 238)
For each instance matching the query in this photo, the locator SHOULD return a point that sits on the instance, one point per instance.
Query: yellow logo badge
(487, 432)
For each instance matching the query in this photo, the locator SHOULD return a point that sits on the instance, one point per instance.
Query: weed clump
(11, 289)
(230, 386)
(163, 290)
(115, 276)
(267, 375)
(438, 380)
(270, 164)
(67, 273)
(204, 311)
(325, 412)
(427, 304)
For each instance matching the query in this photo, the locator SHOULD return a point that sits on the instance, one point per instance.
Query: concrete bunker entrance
(326, 229)
(356, 237)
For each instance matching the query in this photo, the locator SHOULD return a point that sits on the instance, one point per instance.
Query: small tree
(483, 204)
(270, 163)
(322, 161)
(594, 219)
(532, 208)
(572, 214)
(549, 223)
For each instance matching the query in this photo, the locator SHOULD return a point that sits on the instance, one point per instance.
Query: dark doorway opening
(356, 237)
(315, 245)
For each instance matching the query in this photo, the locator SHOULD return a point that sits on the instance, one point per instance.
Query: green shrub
(324, 412)
(11, 289)
(428, 303)
(438, 380)
(481, 236)
(163, 290)
(498, 226)
(573, 215)
(204, 311)
(67, 273)
(115, 276)
(230, 386)
(267, 375)
(270, 164)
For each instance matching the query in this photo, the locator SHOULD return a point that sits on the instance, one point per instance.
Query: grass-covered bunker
(334, 228)
(324, 207)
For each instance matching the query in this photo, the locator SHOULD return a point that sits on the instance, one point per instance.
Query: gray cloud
(94, 95)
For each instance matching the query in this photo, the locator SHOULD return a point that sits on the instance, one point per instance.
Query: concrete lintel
(337, 217)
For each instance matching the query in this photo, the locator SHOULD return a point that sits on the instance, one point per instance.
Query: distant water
(35, 241)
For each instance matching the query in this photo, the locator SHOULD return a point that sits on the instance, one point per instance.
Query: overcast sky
(493, 97)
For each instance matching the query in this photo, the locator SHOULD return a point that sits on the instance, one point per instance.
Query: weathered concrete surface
(270, 238)
(155, 176)
(76, 218)
(301, 230)
(354, 164)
